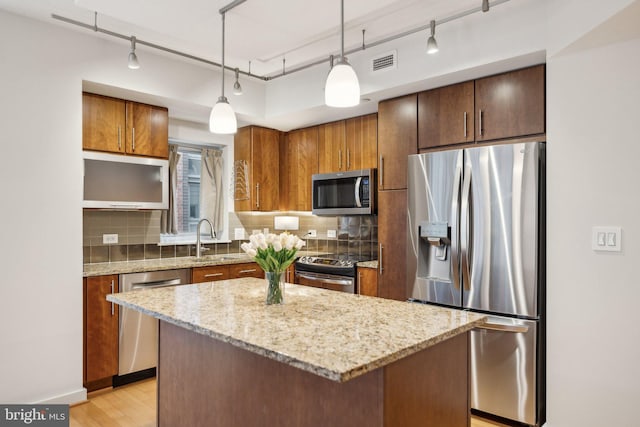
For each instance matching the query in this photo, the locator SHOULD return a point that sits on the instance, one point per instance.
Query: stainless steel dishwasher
(138, 335)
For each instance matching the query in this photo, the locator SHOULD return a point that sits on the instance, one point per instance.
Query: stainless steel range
(334, 272)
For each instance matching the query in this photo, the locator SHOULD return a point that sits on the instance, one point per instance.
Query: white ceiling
(263, 32)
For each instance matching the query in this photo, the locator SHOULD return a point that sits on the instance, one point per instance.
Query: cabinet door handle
(339, 160)
(113, 311)
(465, 124)
(381, 269)
(133, 139)
(253, 270)
(258, 196)
(381, 182)
(213, 274)
(480, 123)
(348, 160)
(119, 138)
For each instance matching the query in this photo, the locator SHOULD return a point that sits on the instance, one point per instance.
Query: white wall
(593, 151)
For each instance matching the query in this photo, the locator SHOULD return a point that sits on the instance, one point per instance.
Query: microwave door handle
(357, 191)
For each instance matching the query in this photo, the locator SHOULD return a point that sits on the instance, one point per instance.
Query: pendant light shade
(222, 118)
(342, 88)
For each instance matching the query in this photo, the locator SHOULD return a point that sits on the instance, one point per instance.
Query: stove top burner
(333, 260)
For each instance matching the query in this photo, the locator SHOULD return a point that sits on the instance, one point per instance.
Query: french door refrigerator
(477, 242)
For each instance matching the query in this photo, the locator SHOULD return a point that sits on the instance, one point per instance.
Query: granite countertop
(335, 335)
(368, 264)
(101, 269)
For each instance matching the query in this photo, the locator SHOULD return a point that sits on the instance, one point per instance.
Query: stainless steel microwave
(344, 193)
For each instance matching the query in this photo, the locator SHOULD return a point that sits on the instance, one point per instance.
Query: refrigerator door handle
(465, 229)
(455, 237)
(517, 329)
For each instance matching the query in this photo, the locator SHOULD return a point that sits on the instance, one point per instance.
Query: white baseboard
(67, 398)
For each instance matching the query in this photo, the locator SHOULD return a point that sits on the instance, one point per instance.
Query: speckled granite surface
(368, 264)
(102, 269)
(335, 335)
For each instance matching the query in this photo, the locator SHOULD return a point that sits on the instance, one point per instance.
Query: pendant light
(222, 119)
(133, 58)
(342, 88)
(432, 45)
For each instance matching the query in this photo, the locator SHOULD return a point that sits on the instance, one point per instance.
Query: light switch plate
(109, 239)
(331, 234)
(606, 239)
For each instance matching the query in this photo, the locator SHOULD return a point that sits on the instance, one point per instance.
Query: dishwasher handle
(156, 284)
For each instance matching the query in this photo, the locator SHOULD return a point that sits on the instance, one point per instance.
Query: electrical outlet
(238, 233)
(265, 231)
(109, 239)
(331, 234)
(255, 231)
(312, 233)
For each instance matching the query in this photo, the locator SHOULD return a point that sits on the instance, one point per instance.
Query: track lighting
(222, 119)
(432, 44)
(133, 58)
(237, 89)
(485, 5)
(342, 88)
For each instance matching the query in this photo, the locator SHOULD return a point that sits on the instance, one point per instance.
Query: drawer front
(250, 269)
(210, 274)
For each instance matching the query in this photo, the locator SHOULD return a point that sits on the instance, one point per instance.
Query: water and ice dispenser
(434, 258)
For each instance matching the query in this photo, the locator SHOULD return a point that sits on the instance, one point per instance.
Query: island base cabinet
(203, 382)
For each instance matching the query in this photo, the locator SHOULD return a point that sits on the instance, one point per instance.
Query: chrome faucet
(213, 234)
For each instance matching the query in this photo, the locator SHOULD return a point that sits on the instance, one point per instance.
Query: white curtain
(211, 200)
(168, 220)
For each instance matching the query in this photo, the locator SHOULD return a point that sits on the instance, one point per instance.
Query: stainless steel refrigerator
(477, 242)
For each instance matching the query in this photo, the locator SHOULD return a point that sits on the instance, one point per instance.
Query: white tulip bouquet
(273, 253)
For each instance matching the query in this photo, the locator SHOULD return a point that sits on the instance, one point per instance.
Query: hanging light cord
(223, 16)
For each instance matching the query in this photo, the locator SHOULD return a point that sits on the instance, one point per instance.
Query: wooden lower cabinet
(392, 244)
(209, 274)
(250, 269)
(229, 271)
(100, 331)
(290, 274)
(368, 281)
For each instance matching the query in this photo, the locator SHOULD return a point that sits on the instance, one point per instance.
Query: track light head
(432, 44)
(237, 89)
(133, 58)
(485, 5)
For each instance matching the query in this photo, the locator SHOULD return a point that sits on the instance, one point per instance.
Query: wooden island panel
(204, 382)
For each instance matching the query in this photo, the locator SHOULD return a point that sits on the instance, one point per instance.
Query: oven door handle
(342, 282)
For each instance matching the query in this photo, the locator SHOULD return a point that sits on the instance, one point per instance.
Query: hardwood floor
(134, 405)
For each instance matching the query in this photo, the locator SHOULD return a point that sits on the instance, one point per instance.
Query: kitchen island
(323, 358)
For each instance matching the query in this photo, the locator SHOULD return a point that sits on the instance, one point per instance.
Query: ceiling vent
(384, 62)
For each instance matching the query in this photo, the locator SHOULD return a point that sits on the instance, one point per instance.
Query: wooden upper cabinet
(101, 328)
(258, 148)
(446, 115)
(299, 156)
(361, 141)
(510, 104)
(331, 147)
(397, 139)
(118, 126)
(147, 130)
(103, 123)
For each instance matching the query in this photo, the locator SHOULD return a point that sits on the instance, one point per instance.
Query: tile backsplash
(139, 235)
